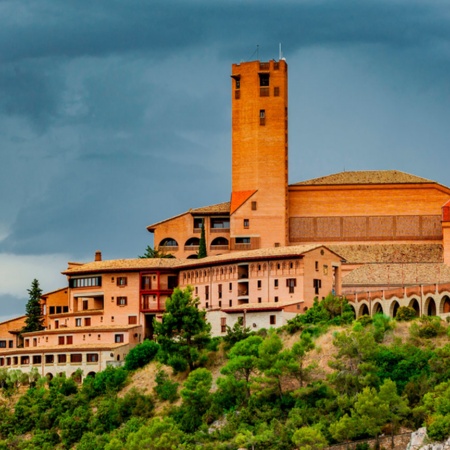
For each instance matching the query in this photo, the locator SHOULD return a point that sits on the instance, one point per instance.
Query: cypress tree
(202, 244)
(34, 320)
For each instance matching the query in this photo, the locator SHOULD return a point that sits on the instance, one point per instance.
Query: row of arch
(76, 376)
(192, 242)
(428, 306)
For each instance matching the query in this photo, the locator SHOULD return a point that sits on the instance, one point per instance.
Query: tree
(309, 438)
(343, 430)
(184, 332)
(155, 253)
(141, 355)
(34, 320)
(202, 253)
(398, 406)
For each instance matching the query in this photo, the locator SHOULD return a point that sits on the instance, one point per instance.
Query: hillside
(321, 380)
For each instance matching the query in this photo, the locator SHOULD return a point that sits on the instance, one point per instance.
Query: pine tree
(202, 245)
(34, 320)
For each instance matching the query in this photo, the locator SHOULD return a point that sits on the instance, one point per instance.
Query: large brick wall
(364, 228)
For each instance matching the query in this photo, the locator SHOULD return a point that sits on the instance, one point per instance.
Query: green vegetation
(34, 320)
(202, 253)
(269, 395)
(155, 253)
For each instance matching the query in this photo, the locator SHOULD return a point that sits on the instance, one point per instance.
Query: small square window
(78, 322)
(132, 320)
(121, 301)
(122, 281)
(118, 338)
(276, 299)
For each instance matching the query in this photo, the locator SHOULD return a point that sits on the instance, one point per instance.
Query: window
(273, 320)
(2, 344)
(85, 282)
(275, 299)
(220, 222)
(172, 281)
(259, 300)
(118, 338)
(92, 357)
(206, 292)
(24, 360)
(264, 79)
(69, 340)
(132, 320)
(65, 309)
(49, 359)
(58, 309)
(230, 303)
(10, 344)
(238, 83)
(56, 324)
(276, 91)
(230, 287)
(254, 205)
(146, 282)
(62, 359)
(76, 358)
(52, 310)
(316, 265)
(122, 281)
(219, 291)
(223, 324)
(85, 305)
(317, 284)
(262, 116)
(60, 340)
(275, 283)
(246, 223)
(87, 322)
(220, 303)
(34, 342)
(242, 240)
(259, 284)
(78, 322)
(37, 359)
(121, 301)
(291, 283)
(198, 222)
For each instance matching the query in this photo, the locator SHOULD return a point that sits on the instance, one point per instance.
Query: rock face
(420, 441)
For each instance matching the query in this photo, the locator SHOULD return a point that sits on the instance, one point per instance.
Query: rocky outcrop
(420, 441)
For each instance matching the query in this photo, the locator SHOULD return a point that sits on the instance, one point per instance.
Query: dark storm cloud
(114, 115)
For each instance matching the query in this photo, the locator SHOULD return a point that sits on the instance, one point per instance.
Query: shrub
(141, 355)
(427, 327)
(365, 320)
(405, 314)
(165, 388)
(111, 379)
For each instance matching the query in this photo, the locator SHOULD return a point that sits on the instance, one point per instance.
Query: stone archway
(445, 305)
(414, 304)
(364, 310)
(430, 307)
(394, 308)
(377, 308)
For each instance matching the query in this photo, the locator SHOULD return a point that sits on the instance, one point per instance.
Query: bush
(141, 355)
(365, 320)
(165, 388)
(405, 314)
(110, 380)
(427, 327)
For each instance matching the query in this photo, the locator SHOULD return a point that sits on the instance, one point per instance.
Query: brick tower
(258, 214)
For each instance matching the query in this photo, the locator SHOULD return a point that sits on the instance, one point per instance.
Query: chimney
(98, 255)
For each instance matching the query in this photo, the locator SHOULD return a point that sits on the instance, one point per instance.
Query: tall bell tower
(259, 203)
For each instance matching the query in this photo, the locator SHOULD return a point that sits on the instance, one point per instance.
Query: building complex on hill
(381, 238)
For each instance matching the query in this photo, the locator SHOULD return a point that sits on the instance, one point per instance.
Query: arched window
(168, 242)
(192, 242)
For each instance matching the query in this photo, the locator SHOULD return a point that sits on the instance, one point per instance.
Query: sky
(117, 114)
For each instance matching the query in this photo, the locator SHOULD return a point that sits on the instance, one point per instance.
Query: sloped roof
(389, 253)
(365, 177)
(261, 253)
(397, 274)
(218, 208)
(238, 198)
(114, 265)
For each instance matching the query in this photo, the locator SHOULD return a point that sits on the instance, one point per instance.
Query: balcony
(148, 303)
(191, 248)
(219, 247)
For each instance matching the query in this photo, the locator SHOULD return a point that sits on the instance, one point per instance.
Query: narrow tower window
(262, 116)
